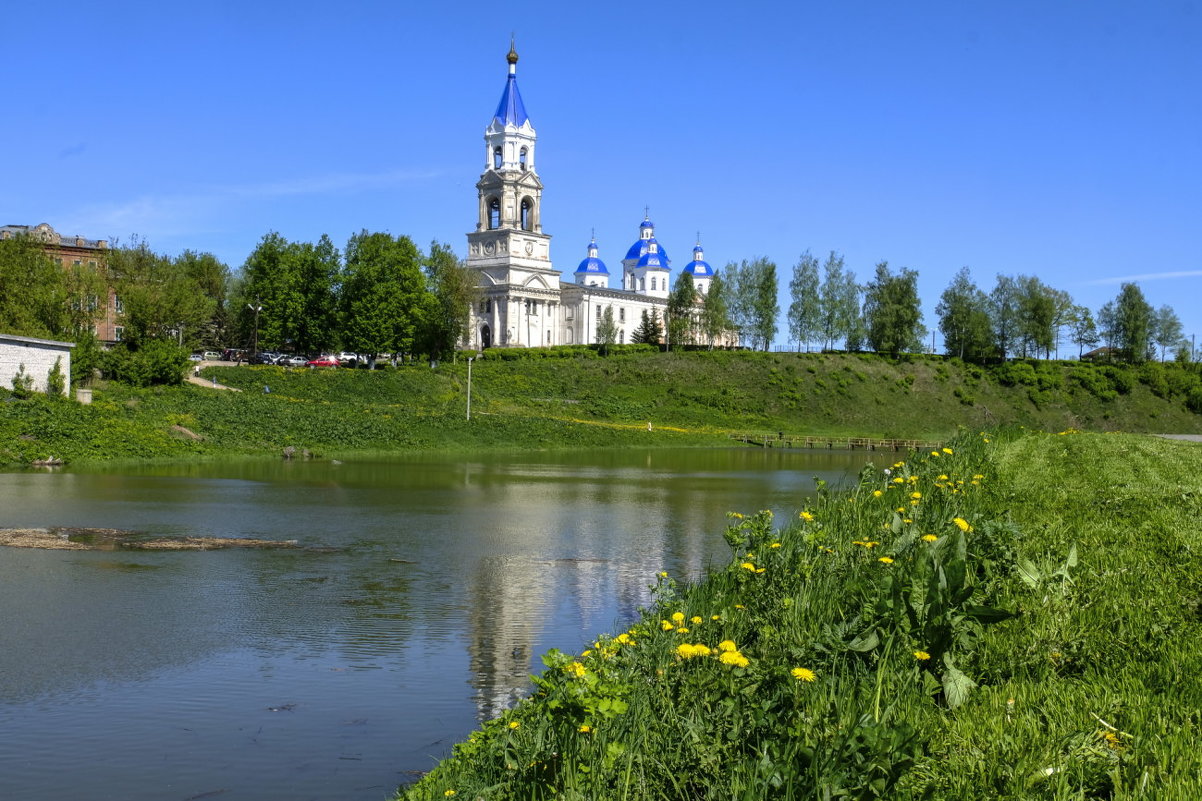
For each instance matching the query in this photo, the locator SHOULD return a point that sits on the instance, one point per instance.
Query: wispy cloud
(176, 214)
(1131, 279)
(74, 150)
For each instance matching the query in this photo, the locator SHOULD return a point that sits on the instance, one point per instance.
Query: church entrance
(485, 337)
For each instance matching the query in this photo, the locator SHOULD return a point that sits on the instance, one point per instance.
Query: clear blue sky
(1061, 139)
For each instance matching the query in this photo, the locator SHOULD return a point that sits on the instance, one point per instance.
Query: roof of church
(652, 258)
(592, 264)
(698, 267)
(511, 110)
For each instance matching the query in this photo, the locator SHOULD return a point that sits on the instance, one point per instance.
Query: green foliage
(607, 330)
(293, 284)
(22, 382)
(892, 313)
(160, 297)
(805, 309)
(1133, 324)
(453, 292)
(752, 298)
(35, 293)
(154, 362)
(964, 320)
(56, 382)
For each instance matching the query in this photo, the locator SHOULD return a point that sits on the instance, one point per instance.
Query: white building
(524, 302)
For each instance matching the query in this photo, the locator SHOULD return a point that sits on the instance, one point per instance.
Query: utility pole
(256, 307)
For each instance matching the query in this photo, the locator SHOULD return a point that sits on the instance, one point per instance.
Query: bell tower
(509, 244)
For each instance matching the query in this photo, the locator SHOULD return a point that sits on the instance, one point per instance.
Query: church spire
(511, 110)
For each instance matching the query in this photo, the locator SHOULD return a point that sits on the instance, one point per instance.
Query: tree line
(1019, 317)
(382, 294)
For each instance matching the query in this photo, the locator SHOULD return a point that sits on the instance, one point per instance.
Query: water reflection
(443, 582)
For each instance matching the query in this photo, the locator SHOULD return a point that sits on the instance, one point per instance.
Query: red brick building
(76, 251)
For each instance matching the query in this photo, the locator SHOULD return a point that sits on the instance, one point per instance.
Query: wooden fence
(783, 440)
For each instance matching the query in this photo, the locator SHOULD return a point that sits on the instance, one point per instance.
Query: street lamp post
(470, 359)
(256, 307)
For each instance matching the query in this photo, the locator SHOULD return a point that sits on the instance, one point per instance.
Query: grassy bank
(693, 398)
(1019, 618)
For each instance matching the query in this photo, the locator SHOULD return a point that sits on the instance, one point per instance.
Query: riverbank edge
(1009, 528)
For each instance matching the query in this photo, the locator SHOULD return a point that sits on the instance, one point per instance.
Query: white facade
(35, 358)
(524, 302)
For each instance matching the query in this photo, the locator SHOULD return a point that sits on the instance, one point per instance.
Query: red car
(324, 361)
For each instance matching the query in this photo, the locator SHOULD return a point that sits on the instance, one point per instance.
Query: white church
(523, 301)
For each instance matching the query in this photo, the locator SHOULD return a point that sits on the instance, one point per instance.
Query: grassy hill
(573, 398)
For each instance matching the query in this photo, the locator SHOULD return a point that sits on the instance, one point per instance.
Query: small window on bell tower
(522, 159)
(527, 214)
(494, 213)
(496, 159)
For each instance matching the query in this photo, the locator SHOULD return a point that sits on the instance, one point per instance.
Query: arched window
(527, 214)
(494, 213)
(642, 283)
(653, 283)
(496, 159)
(522, 159)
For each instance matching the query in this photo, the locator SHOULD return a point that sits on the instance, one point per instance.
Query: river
(423, 595)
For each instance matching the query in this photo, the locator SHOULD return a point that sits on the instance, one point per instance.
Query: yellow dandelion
(806, 516)
(715, 617)
(513, 724)
(962, 524)
(734, 658)
(695, 620)
(774, 545)
(625, 639)
(948, 451)
(929, 538)
(760, 569)
(585, 729)
(942, 478)
(900, 509)
(735, 515)
(921, 656)
(678, 618)
(916, 495)
(740, 606)
(662, 574)
(748, 566)
(907, 520)
(576, 669)
(665, 625)
(978, 476)
(586, 653)
(449, 793)
(885, 560)
(899, 480)
(934, 453)
(701, 649)
(682, 630)
(877, 493)
(685, 651)
(727, 645)
(803, 674)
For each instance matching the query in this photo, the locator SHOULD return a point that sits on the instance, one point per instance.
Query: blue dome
(699, 269)
(592, 265)
(646, 224)
(640, 248)
(653, 260)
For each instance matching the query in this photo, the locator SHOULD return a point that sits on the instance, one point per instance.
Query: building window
(93, 302)
(569, 313)
(488, 306)
(118, 304)
(522, 159)
(622, 315)
(494, 213)
(548, 337)
(598, 311)
(77, 263)
(527, 214)
(652, 283)
(118, 333)
(496, 159)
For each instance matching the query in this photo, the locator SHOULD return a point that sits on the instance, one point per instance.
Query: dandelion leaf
(956, 686)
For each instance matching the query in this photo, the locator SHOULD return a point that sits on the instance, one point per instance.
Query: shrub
(55, 382)
(155, 362)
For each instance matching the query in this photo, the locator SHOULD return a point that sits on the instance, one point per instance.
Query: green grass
(549, 400)
(1062, 628)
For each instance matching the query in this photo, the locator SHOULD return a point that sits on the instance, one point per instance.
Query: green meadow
(1018, 615)
(571, 397)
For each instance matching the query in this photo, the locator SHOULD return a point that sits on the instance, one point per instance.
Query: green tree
(607, 330)
(964, 319)
(1133, 324)
(33, 295)
(1003, 312)
(1035, 317)
(160, 300)
(892, 313)
(682, 311)
(212, 278)
(804, 315)
(452, 294)
(1166, 329)
(715, 314)
(1108, 324)
(1083, 331)
(839, 305)
(295, 284)
(753, 300)
(383, 295)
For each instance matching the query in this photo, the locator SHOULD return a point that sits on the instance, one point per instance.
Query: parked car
(293, 361)
(264, 357)
(348, 359)
(324, 361)
(195, 357)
